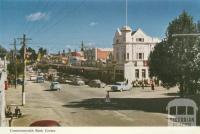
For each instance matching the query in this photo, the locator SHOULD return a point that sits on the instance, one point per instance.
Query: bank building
(131, 50)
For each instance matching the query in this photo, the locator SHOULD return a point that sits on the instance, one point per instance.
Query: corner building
(131, 50)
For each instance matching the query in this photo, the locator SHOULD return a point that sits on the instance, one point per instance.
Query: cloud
(92, 24)
(37, 16)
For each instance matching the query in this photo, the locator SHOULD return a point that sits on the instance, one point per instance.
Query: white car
(33, 78)
(120, 86)
(55, 86)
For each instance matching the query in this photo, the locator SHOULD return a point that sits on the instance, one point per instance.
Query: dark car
(62, 80)
(97, 83)
(45, 123)
(20, 81)
(40, 79)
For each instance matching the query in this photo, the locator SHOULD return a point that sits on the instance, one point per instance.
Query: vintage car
(97, 83)
(120, 86)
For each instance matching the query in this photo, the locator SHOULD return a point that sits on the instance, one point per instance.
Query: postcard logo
(182, 112)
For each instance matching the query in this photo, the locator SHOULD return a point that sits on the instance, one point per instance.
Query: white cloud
(37, 16)
(92, 24)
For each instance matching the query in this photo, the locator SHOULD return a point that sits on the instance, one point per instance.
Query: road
(85, 106)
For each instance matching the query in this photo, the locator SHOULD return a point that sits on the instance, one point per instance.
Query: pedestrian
(142, 84)
(107, 100)
(127, 82)
(18, 112)
(132, 83)
(10, 121)
(152, 86)
(8, 112)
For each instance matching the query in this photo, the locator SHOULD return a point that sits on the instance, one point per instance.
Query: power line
(45, 6)
(45, 29)
(44, 24)
(27, 24)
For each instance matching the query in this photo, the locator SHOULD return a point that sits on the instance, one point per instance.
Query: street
(85, 106)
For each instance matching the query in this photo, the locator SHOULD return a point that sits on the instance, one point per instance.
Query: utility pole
(15, 60)
(23, 41)
(15, 49)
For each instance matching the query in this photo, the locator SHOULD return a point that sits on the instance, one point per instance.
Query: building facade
(94, 55)
(131, 50)
(3, 78)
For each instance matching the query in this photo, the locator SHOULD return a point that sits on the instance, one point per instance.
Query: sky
(62, 24)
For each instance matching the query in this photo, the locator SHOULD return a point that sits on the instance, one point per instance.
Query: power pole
(24, 39)
(14, 60)
(15, 49)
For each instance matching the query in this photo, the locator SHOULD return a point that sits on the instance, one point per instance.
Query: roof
(181, 102)
(126, 28)
(106, 49)
(133, 32)
(103, 54)
(78, 54)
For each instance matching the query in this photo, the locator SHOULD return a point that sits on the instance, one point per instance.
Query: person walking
(142, 84)
(107, 100)
(152, 86)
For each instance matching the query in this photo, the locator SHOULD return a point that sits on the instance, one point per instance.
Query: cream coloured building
(131, 50)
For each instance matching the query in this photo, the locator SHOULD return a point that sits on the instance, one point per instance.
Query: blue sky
(63, 24)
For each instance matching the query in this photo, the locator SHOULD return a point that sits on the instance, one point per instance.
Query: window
(117, 41)
(190, 110)
(127, 56)
(136, 73)
(143, 73)
(135, 64)
(173, 111)
(140, 56)
(140, 39)
(145, 63)
(181, 110)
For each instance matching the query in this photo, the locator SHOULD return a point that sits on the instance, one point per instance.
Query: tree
(175, 60)
(32, 56)
(42, 51)
(3, 52)
(198, 26)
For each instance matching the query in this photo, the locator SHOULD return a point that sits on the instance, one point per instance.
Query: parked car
(78, 81)
(62, 79)
(33, 78)
(55, 86)
(97, 83)
(20, 81)
(70, 77)
(120, 86)
(40, 79)
(45, 123)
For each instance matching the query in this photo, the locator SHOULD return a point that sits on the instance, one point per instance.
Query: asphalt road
(85, 106)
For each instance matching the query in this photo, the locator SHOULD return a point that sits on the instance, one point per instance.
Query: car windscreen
(118, 84)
